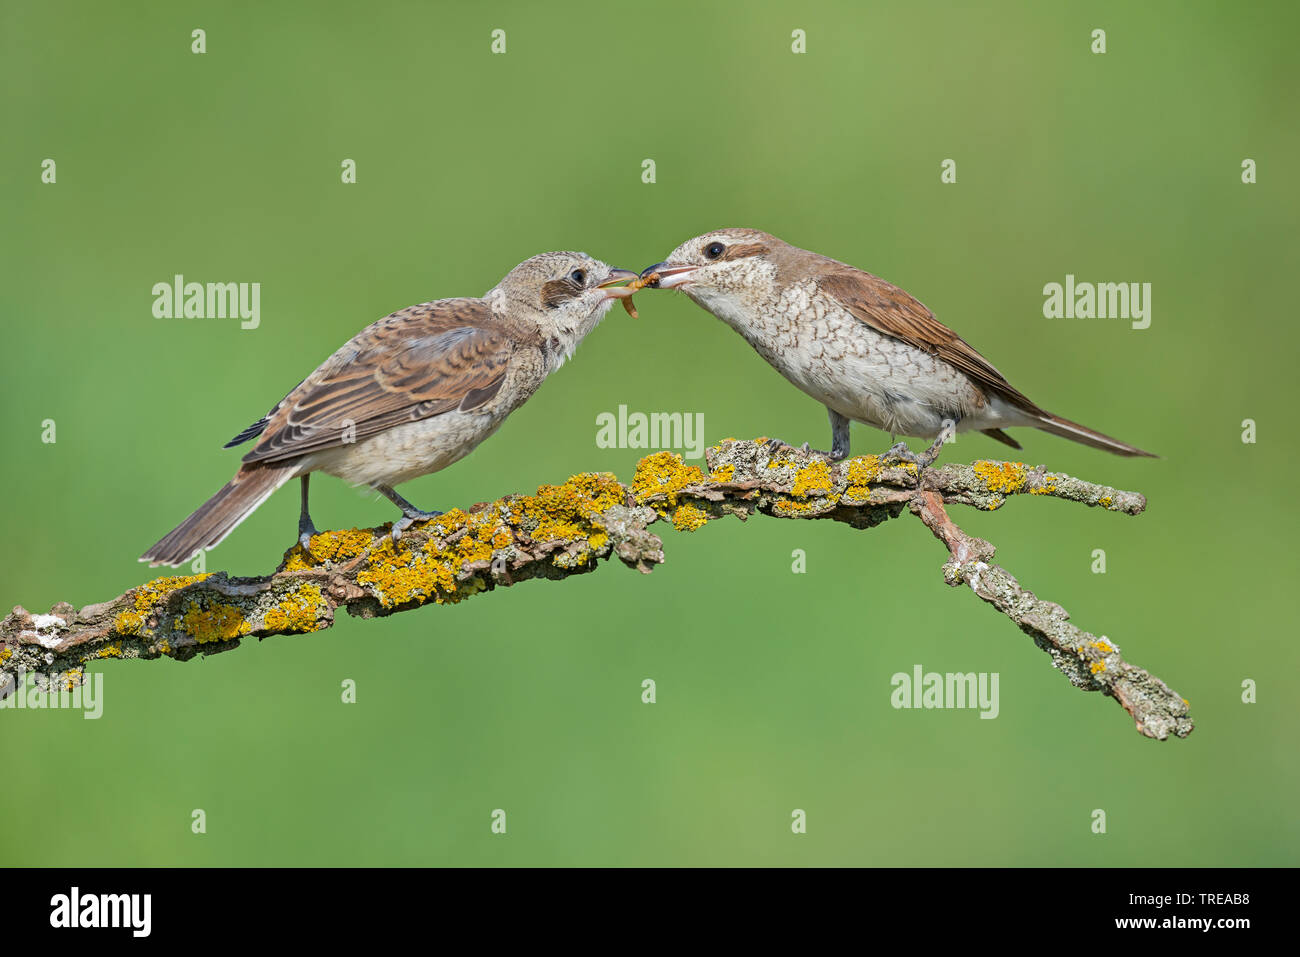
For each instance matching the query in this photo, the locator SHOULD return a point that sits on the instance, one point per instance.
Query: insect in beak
(623, 293)
(666, 275)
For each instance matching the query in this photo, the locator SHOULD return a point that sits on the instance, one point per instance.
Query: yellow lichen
(863, 470)
(400, 575)
(298, 612)
(789, 506)
(336, 546)
(1103, 646)
(1105, 501)
(813, 478)
(723, 473)
(147, 596)
(215, 621)
(664, 473)
(565, 512)
(1097, 666)
(5, 655)
(688, 518)
(1047, 486)
(113, 650)
(1002, 477)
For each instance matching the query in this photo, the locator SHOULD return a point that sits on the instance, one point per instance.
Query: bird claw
(306, 531)
(832, 455)
(899, 452)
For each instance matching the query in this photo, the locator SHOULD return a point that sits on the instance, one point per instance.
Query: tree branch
(566, 530)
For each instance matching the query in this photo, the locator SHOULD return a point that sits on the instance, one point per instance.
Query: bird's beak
(666, 275)
(616, 276)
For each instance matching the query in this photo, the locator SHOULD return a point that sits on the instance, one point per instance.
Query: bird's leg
(839, 435)
(305, 527)
(839, 440)
(924, 460)
(410, 514)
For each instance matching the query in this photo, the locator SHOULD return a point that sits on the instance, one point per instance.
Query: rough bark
(567, 530)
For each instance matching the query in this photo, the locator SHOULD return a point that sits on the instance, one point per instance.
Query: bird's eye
(713, 250)
(578, 276)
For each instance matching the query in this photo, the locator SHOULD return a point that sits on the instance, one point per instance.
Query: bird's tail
(218, 516)
(1086, 436)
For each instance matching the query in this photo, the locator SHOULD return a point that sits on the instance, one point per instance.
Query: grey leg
(305, 527)
(839, 435)
(839, 440)
(410, 514)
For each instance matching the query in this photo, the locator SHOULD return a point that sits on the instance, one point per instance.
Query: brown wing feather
(895, 312)
(420, 362)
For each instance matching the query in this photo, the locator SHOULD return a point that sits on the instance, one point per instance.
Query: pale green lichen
(1047, 486)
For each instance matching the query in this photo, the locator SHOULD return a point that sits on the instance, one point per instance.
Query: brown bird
(861, 346)
(410, 394)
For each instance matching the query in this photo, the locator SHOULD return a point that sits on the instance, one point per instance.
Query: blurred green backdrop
(773, 687)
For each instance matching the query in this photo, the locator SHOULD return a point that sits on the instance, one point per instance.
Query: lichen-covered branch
(567, 530)
(1091, 663)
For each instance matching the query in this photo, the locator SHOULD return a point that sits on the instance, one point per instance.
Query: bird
(410, 394)
(866, 349)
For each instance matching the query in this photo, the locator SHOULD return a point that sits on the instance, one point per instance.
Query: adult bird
(861, 346)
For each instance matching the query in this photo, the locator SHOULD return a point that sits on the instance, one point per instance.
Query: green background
(773, 687)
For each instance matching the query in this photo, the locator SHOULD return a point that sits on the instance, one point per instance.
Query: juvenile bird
(410, 394)
(861, 346)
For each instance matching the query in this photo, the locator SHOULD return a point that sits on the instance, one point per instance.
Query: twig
(566, 530)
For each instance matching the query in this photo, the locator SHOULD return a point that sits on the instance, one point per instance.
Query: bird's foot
(834, 455)
(899, 452)
(410, 518)
(410, 514)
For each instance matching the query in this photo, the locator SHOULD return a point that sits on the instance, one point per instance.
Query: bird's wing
(420, 362)
(895, 312)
